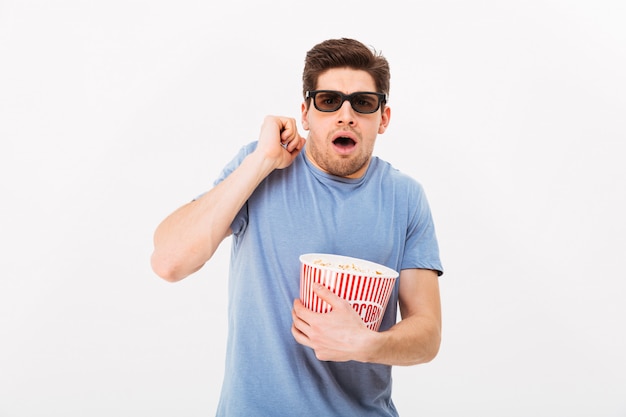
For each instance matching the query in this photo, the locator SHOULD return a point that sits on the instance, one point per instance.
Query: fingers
(290, 139)
(300, 314)
(293, 144)
(327, 295)
(303, 318)
(287, 131)
(279, 134)
(299, 327)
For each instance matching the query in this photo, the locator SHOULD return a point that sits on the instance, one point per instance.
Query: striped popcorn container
(366, 285)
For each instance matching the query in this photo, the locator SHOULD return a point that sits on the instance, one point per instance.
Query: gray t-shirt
(383, 217)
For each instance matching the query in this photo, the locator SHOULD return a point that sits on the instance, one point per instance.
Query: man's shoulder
(389, 173)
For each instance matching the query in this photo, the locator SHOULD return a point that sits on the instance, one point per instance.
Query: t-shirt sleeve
(241, 219)
(422, 247)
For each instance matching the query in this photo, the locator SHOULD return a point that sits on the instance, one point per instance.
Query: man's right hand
(279, 140)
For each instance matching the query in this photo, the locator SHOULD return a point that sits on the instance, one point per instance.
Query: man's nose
(346, 113)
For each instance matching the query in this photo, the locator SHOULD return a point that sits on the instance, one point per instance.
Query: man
(278, 199)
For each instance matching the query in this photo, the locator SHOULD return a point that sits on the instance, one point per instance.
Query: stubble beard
(337, 165)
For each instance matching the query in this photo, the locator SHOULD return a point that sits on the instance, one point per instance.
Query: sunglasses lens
(365, 103)
(328, 101)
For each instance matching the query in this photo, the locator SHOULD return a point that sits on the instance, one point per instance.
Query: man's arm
(189, 237)
(341, 335)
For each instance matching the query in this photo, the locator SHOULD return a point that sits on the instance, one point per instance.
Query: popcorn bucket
(366, 285)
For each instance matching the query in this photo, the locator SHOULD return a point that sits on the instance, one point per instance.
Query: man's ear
(305, 117)
(384, 120)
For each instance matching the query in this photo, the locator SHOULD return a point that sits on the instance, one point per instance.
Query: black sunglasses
(362, 101)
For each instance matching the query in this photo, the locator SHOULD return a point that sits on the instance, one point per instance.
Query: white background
(114, 113)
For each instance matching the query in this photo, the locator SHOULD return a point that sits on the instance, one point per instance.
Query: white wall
(112, 114)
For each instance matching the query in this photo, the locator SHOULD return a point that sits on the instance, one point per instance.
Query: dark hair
(341, 53)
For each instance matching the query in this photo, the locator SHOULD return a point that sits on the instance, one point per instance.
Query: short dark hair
(341, 53)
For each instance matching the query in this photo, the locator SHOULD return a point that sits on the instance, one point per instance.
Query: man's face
(341, 142)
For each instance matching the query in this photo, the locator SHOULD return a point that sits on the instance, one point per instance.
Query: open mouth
(344, 142)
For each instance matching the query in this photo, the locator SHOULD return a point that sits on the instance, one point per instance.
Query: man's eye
(329, 99)
(366, 102)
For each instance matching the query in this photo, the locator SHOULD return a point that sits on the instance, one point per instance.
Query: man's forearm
(189, 237)
(417, 337)
(411, 341)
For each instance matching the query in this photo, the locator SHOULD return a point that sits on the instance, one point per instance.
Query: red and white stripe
(368, 295)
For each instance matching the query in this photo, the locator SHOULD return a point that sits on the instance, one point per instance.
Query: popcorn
(349, 266)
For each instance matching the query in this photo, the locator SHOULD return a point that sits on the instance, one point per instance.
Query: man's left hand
(339, 335)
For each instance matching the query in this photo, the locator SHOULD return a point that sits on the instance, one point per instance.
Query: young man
(283, 196)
